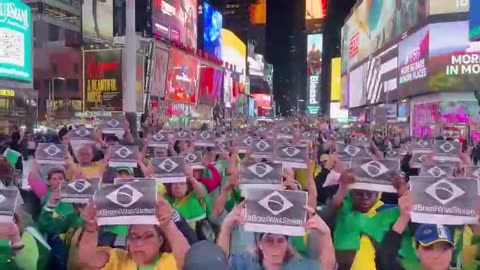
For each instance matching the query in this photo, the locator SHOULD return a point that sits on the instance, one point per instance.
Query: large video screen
(235, 50)
(374, 24)
(475, 20)
(16, 41)
(211, 80)
(315, 9)
(314, 67)
(344, 91)
(228, 88)
(454, 63)
(159, 72)
(356, 94)
(212, 31)
(381, 76)
(97, 19)
(182, 79)
(176, 20)
(413, 63)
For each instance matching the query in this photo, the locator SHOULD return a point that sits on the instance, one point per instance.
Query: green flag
(12, 156)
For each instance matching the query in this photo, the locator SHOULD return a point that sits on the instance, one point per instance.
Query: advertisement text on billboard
(381, 76)
(314, 68)
(15, 41)
(103, 80)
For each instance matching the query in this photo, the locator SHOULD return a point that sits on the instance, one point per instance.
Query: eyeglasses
(145, 237)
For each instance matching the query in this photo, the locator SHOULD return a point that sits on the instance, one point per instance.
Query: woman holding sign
(148, 246)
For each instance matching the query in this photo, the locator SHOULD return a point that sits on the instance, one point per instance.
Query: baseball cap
(124, 169)
(204, 255)
(429, 234)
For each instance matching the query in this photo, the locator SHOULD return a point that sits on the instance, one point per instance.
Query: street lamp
(51, 92)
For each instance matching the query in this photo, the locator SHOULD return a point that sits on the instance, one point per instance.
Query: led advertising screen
(227, 88)
(335, 91)
(314, 68)
(97, 19)
(251, 107)
(258, 12)
(413, 63)
(103, 80)
(344, 91)
(211, 81)
(448, 7)
(356, 94)
(474, 20)
(235, 50)
(315, 13)
(381, 76)
(375, 23)
(15, 41)
(159, 71)
(176, 20)
(212, 31)
(182, 78)
(454, 63)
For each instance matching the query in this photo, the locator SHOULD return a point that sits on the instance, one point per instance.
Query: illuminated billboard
(234, 51)
(336, 82)
(314, 69)
(212, 31)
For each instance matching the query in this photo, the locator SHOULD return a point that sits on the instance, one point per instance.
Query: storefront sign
(7, 93)
(103, 80)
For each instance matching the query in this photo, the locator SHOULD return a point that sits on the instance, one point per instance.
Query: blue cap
(429, 234)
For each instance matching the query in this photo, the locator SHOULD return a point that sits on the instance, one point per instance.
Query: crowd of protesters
(200, 222)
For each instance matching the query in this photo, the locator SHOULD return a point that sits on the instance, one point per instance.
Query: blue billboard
(212, 32)
(15, 40)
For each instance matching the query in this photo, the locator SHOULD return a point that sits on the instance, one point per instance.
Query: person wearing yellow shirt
(148, 246)
(85, 169)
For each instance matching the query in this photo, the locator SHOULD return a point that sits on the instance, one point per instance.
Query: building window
(53, 32)
(76, 68)
(73, 85)
(54, 68)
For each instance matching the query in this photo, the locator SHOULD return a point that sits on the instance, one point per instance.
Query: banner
(194, 160)
(413, 63)
(436, 171)
(261, 175)
(447, 151)
(381, 76)
(278, 212)
(346, 152)
(182, 79)
(205, 138)
(8, 204)
(103, 80)
(127, 204)
(169, 170)
(176, 20)
(472, 172)
(375, 175)
(453, 65)
(49, 153)
(16, 41)
(97, 20)
(292, 156)
(444, 201)
(244, 144)
(159, 139)
(115, 126)
(314, 69)
(80, 191)
(263, 148)
(159, 71)
(123, 156)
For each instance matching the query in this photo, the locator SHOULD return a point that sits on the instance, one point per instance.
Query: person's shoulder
(244, 261)
(116, 258)
(167, 261)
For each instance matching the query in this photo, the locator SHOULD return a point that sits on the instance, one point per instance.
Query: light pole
(51, 93)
